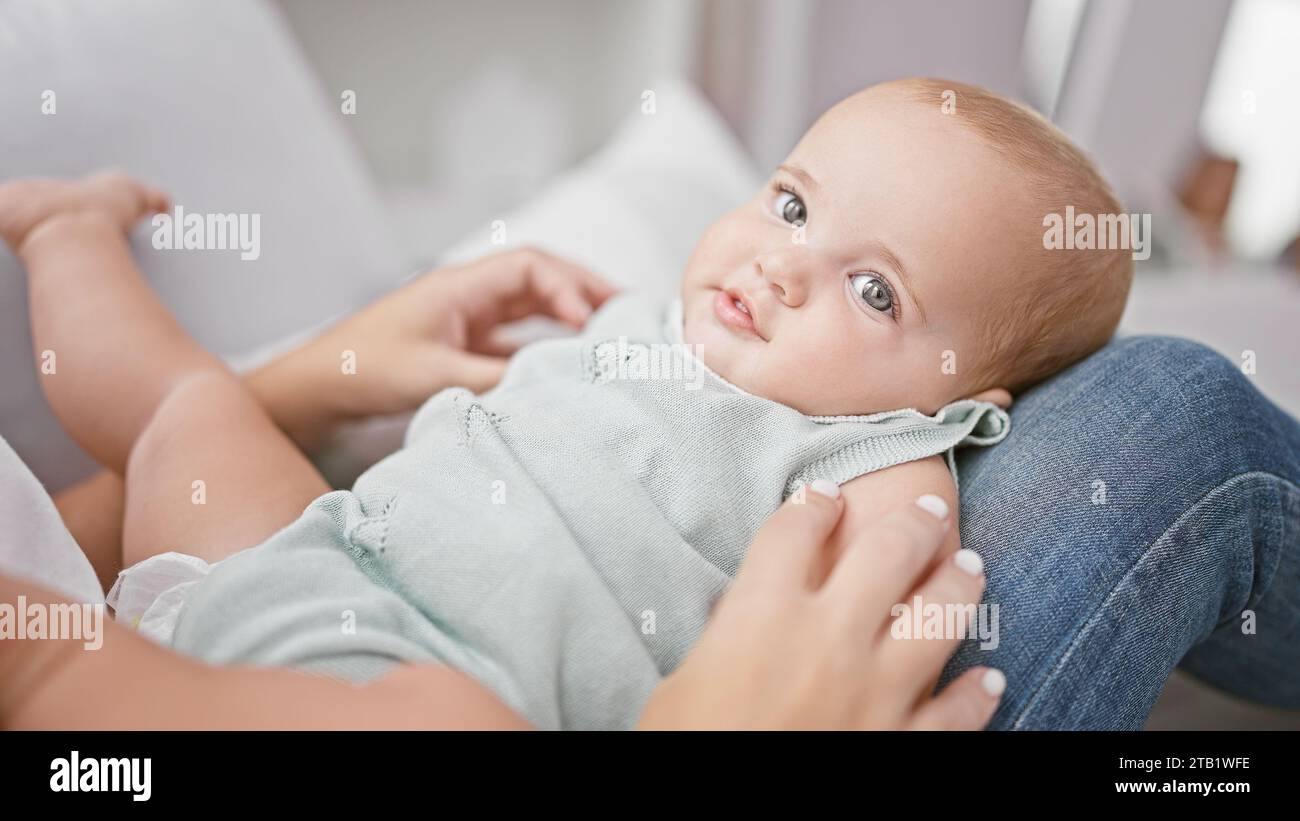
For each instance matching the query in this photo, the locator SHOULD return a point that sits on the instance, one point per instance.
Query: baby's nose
(785, 276)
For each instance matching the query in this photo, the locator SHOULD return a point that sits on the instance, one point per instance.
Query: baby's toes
(110, 187)
(156, 200)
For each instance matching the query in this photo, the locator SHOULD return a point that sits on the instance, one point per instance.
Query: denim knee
(1102, 463)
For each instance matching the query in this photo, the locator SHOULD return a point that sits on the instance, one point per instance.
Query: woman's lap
(1144, 499)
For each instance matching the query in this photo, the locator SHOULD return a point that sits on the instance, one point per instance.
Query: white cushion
(634, 210)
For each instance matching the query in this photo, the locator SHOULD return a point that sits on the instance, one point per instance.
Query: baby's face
(880, 246)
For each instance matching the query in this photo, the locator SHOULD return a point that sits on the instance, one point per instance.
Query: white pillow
(634, 210)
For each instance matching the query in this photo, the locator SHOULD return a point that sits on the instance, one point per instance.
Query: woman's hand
(437, 331)
(782, 652)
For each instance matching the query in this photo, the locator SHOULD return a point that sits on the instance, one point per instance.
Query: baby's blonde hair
(1073, 299)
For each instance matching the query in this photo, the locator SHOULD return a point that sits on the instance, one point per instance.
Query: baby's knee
(195, 408)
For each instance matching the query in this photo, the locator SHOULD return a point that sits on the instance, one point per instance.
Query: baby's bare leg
(211, 474)
(206, 471)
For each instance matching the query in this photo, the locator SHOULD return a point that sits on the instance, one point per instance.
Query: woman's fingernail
(969, 561)
(826, 488)
(933, 505)
(993, 682)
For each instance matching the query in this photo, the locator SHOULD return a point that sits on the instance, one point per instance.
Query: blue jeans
(1143, 513)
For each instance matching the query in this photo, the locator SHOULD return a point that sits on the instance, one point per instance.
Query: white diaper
(148, 596)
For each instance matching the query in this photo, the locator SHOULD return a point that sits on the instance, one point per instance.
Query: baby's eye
(790, 208)
(874, 291)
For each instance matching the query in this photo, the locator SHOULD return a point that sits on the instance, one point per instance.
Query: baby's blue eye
(790, 208)
(874, 291)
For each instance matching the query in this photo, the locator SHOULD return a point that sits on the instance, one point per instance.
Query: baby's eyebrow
(892, 260)
(887, 255)
(799, 174)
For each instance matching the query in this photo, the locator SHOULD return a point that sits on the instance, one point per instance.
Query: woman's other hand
(784, 652)
(441, 330)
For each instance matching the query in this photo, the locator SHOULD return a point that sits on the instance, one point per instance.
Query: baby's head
(897, 260)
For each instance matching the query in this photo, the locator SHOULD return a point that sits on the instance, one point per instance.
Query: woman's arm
(128, 682)
(300, 399)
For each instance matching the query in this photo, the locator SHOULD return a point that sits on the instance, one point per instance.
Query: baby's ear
(998, 396)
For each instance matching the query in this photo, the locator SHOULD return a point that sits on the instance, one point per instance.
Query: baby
(562, 537)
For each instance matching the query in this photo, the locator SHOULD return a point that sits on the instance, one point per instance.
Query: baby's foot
(27, 204)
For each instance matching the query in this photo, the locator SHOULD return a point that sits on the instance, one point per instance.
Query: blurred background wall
(467, 108)
(1190, 107)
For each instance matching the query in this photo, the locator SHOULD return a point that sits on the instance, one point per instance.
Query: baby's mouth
(734, 310)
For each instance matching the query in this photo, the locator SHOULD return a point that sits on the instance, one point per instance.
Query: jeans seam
(1091, 621)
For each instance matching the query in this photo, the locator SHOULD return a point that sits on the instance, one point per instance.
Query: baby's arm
(871, 496)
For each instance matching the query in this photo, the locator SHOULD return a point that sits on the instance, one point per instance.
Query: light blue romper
(560, 538)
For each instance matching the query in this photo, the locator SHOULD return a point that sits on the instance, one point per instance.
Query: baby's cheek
(866, 374)
(719, 247)
(927, 381)
(819, 373)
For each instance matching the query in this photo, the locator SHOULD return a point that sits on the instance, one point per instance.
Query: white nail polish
(969, 561)
(933, 505)
(826, 488)
(993, 682)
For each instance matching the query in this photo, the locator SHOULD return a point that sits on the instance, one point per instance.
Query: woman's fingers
(597, 288)
(878, 583)
(788, 544)
(948, 597)
(594, 288)
(881, 567)
(527, 281)
(475, 372)
(966, 704)
(495, 343)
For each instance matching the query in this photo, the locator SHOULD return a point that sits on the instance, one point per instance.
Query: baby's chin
(735, 360)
